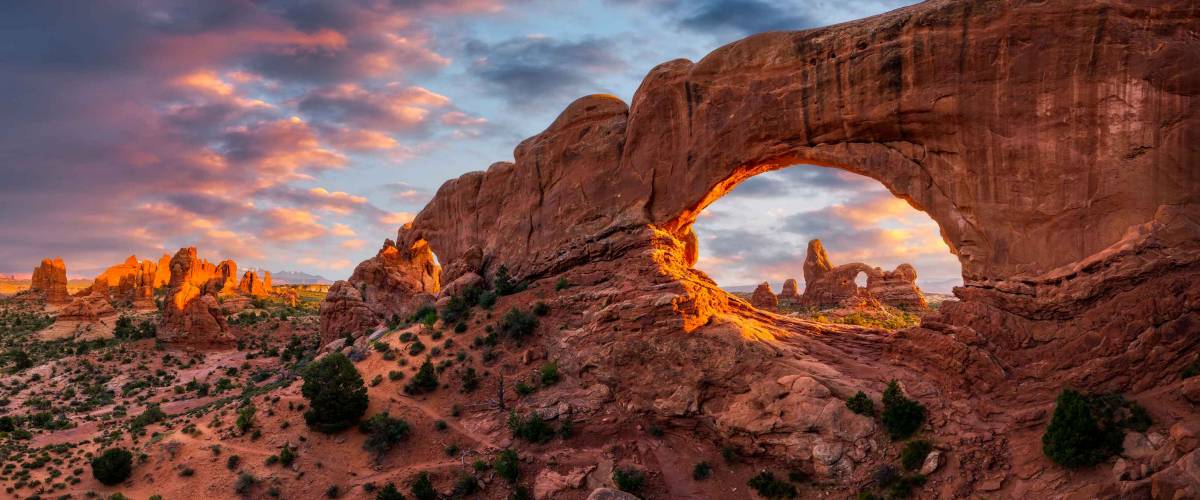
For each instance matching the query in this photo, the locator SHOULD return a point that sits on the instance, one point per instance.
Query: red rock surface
(790, 292)
(253, 286)
(1052, 142)
(87, 308)
(50, 280)
(764, 298)
(827, 286)
(396, 282)
(192, 314)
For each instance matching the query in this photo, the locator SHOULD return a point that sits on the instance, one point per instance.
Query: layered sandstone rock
(192, 313)
(87, 308)
(50, 280)
(1072, 208)
(827, 286)
(253, 286)
(790, 293)
(397, 282)
(764, 298)
(131, 281)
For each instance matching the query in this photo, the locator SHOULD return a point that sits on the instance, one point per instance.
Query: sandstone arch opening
(872, 248)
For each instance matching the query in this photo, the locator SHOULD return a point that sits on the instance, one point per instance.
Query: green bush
(336, 394)
(562, 284)
(628, 479)
(426, 315)
(517, 324)
(504, 284)
(507, 465)
(901, 416)
(1088, 429)
(245, 418)
(914, 453)
(424, 381)
(861, 404)
(152, 415)
(487, 299)
(768, 486)
(422, 487)
(549, 373)
(383, 433)
(701, 471)
(1191, 370)
(470, 379)
(286, 455)
(541, 309)
(113, 466)
(532, 428)
(389, 492)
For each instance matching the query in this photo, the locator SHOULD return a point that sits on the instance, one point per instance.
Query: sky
(297, 135)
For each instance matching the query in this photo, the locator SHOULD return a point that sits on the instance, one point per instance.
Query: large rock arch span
(1055, 143)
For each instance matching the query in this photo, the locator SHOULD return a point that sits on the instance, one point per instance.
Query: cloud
(396, 108)
(403, 192)
(539, 69)
(291, 225)
(743, 17)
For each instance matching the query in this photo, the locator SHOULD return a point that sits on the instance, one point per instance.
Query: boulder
(50, 280)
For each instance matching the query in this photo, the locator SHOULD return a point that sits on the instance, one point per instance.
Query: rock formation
(251, 285)
(132, 281)
(396, 282)
(1071, 205)
(87, 308)
(50, 280)
(826, 286)
(764, 298)
(192, 313)
(790, 293)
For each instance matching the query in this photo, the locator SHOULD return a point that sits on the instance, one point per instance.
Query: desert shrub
(1191, 370)
(861, 404)
(460, 327)
(245, 418)
(421, 487)
(152, 415)
(113, 466)
(244, 482)
(332, 491)
(532, 428)
(701, 471)
(233, 462)
(914, 453)
(335, 393)
(426, 315)
(549, 373)
(562, 284)
(466, 486)
(470, 379)
(458, 309)
(383, 433)
(424, 381)
(504, 284)
(517, 324)
(768, 486)
(901, 416)
(287, 455)
(124, 328)
(389, 492)
(507, 465)
(628, 479)
(487, 299)
(541, 309)
(1088, 429)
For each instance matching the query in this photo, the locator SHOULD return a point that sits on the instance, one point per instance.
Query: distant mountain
(298, 278)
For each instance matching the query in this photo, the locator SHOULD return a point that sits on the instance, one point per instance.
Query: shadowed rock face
(1054, 143)
(764, 298)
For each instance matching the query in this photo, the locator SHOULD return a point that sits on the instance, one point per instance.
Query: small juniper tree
(424, 381)
(113, 466)
(336, 394)
(901, 416)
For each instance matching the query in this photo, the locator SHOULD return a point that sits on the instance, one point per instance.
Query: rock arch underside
(1055, 143)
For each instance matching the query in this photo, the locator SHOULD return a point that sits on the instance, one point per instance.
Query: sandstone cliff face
(192, 313)
(50, 280)
(131, 281)
(396, 282)
(1072, 207)
(87, 308)
(790, 292)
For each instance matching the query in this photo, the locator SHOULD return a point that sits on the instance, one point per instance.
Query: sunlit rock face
(827, 286)
(764, 298)
(1072, 207)
(50, 280)
(192, 314)
(131, 281)
(397, 282)
(253, 286)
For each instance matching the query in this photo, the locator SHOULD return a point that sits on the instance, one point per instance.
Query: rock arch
(1036, 148)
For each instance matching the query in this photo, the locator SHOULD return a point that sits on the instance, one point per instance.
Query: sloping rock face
(87, 308)
(398, 281)
(192, 313)
(764, 298)
(826, 286)
(50, 280)
(1072, 207)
